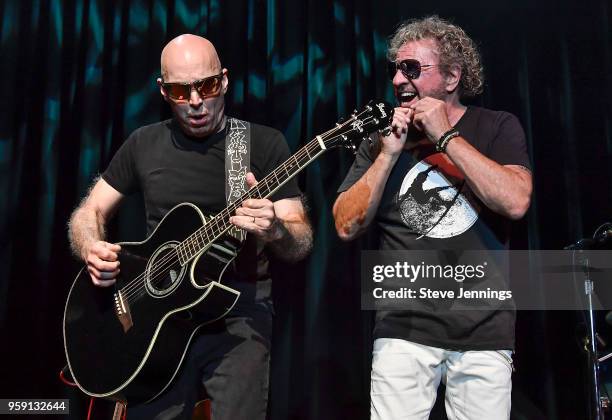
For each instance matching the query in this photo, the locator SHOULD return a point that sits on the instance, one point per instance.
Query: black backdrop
(77, 76)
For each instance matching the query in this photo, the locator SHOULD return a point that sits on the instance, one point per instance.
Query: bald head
(185, 60)
(188, 57)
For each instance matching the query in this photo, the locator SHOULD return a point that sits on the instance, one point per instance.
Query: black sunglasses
(410, 68)
(209, 86)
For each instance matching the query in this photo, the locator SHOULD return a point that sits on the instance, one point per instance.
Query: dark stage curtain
(77, 76)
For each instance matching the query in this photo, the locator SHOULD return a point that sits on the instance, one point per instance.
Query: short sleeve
(121, 172)
(509, 146)
(363, 160)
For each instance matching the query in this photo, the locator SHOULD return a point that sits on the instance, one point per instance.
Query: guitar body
(127, 342)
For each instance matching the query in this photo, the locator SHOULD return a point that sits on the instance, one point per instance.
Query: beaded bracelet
(445, 139)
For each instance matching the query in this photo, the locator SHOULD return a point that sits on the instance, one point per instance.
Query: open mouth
(406, 97)
(197, 120)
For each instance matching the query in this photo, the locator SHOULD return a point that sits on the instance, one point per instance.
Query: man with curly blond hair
(447, 177)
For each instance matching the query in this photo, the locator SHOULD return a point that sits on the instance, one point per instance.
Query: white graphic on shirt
(431, 201)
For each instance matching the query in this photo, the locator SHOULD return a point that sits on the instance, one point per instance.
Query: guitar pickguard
(210, 265)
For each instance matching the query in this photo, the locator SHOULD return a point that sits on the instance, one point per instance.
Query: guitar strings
(135, 286)
(162, 264)
(300, 154)
(218, 222)
(169, 260)
(131, 291)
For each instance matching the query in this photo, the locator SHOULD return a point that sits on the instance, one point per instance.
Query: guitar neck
(220, 224)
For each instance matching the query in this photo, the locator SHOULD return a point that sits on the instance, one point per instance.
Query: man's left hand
(430, 117)
(257, 216)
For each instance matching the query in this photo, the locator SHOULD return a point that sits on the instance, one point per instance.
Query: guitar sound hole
(164, 272)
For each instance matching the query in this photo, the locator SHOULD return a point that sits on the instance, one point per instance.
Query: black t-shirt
(170, 168)
(427, 205)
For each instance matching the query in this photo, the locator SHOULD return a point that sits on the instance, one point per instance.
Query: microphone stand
(595, 407)
(593, 360)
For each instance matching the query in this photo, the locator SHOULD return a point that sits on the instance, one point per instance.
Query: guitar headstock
(350, 132)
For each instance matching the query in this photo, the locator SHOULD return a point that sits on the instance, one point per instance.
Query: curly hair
(454, 45)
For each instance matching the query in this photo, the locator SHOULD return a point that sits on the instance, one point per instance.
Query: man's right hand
(102, 263)
(393, 144)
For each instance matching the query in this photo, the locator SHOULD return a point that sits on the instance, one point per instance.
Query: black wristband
(445, 139)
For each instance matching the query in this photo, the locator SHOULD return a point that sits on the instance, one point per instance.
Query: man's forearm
(84, 228)
(295, 240)
(355, 208)
(503, 190)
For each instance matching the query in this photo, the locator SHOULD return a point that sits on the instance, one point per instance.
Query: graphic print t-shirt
(427, 205)
(170, 168)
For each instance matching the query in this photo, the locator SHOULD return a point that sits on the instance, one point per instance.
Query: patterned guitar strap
(237, 164)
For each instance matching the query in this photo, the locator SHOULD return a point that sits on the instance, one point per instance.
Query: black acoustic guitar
(127, 342)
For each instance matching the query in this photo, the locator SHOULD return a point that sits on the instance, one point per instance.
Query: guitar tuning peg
(353, 148)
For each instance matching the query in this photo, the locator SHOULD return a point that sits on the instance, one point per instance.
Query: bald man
(183, 160)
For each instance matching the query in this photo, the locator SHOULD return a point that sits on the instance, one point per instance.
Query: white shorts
(406, 375)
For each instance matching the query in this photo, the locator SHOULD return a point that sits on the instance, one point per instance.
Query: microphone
(599, 240)
(603, 237)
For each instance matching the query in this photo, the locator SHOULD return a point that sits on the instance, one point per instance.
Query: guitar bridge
(122, 310)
